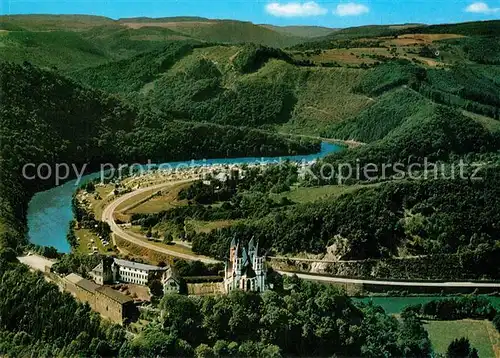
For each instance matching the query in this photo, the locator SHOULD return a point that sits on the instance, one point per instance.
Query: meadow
(482, 335)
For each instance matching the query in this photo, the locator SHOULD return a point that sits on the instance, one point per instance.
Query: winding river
(49, 212)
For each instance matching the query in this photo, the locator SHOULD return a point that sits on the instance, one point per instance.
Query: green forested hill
(229, 31)
(395, 93)
(477, 28)
(261, 86)
(86, 90)
(405, 217)
(389, 112)
(302, 31)
(74, 41)
(46, 118)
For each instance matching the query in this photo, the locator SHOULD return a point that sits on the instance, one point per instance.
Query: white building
(171, 282)
(245, 269)
(112, 270)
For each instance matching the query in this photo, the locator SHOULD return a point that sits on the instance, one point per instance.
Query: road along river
(49, 215)
(331, 279)
(107, 216)
(49, 212)
(135, 239)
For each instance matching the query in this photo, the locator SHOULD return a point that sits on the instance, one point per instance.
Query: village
(129, 270)
(126, 280)
(118, 289)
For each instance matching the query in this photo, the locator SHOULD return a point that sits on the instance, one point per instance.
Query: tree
(156, 288)
(204, 351)
(460, 348)
(168, 238)
(496, 322)
(90, 187)
(182, 316)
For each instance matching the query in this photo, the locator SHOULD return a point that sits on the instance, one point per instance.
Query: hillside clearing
(481, 334)
(306, 194)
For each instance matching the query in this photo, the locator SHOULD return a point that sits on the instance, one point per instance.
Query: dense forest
(302, 319)
(441, 216)
(306, 319)
(395, 218)
(47, 118)
(454, 308)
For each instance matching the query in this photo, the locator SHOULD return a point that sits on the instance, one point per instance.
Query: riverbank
(49, 212)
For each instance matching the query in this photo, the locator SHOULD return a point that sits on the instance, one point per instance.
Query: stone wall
(142, 252)
(78, 292)
(109, 308)
(99, 302)
(205, 288)
(432, 267)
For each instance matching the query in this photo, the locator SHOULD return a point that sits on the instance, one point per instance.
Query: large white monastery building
(112, 270)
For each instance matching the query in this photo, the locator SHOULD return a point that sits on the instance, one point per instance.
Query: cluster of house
(244, 270)
(112, 270)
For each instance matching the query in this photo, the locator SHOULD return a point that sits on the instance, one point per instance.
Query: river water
(49, 212)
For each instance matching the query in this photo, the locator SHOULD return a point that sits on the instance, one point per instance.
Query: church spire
(251, 244)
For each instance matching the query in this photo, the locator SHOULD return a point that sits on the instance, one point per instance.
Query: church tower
(245, 269)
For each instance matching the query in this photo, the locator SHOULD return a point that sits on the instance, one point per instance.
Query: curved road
(107, 216)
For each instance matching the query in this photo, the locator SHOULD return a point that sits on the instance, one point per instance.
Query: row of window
(131, 269)
(135, 281)
(132, 275)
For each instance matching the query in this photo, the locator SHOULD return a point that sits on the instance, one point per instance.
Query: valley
(192, 91)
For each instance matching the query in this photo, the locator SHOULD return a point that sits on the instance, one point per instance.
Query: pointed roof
(244, 256)
(98, 268)
(251, 244)
(171, 274)
(233, 242)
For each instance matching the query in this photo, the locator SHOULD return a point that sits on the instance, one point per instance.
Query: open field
(136, 292)
(394, 305)
(419, 39)
(368, 51)
(308, 194)
(85, 244)
(103, 197)
(489, 123)
(371, 55)
(133, 251)
(164, 200)
(481, 334)
(131, 203)
(207, 226)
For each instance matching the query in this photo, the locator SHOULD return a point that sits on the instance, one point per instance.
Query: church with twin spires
(245, 270)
